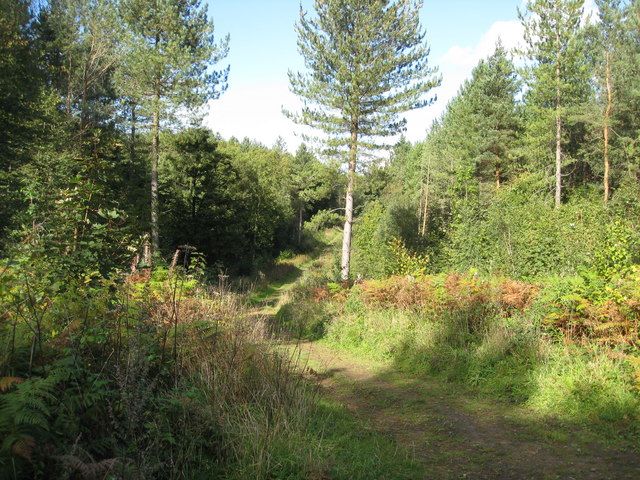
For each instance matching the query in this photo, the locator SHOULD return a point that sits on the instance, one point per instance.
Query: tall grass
(491, 335)
(154, 377)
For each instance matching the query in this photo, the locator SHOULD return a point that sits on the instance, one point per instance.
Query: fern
(25, 411)
(7, 382)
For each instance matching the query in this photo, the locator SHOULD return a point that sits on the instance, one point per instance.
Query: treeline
(102, 152)
(533, 168)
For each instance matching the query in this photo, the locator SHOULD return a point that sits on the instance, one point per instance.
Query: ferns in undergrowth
(26, 410)
(136, 381)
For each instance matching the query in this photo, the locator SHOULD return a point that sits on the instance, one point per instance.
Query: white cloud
(510, 32)
(590, 11)
(254, 110)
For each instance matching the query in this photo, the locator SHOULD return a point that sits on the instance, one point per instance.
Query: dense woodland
(119, 211)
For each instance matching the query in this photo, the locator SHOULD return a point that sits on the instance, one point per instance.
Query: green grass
(276, 286)
(355, 451)
(583, 386)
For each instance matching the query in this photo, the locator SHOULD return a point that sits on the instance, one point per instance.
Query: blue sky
(263, 48)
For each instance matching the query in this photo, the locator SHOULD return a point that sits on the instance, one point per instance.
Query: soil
(461, 436)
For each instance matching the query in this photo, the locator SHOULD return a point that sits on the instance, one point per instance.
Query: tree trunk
(348, 222)
(425, 212)
(132, 146)
(607, 116)
(420, 199)
(558, 197)
(155, 154)
(69, 99)
(192, 194)
(498, 177)
(299, 226)
(558, 160)
(83, 109)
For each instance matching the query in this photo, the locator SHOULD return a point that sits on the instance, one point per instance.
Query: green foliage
(617, 250)
(497, 337)
(322, 220)
(406, 262)
(531, 240)
(371, 252)
(386, 241)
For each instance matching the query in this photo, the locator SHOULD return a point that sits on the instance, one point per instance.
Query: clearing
(450, 431)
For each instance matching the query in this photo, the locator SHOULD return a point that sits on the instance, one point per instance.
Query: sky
(263, 49)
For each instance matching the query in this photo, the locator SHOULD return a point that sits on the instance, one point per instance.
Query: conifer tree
(608, 34)
(167, 66)
(626, 85)
(85, 44)
(557, 76)
(493, 114)
(367, 64)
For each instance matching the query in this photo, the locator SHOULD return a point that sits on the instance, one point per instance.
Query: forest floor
(449, 431)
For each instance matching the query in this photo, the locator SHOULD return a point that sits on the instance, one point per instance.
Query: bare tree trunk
(69, 99)
(498, 177)
(155, 154)
(607, 116)
(132, 146)
(83, 109)
(558, 160)
(558, 197)
(420, 198)
(425, 213)
(348, 222)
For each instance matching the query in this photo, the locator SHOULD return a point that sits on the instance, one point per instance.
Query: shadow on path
(462, 437)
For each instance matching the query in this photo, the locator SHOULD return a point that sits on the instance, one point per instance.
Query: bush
(143, 379)
(530, 240)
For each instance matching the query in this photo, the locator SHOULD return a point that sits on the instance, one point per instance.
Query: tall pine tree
(557, 74)
(367, 64)
(168, 66)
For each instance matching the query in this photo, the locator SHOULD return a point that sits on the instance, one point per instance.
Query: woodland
(153, 274)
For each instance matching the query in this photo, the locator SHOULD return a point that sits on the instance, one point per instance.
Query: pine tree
(493, 115)
(626, 81)
(610, 17)
(367, 63)
(86, 48)
(557, 77)
(167, 66)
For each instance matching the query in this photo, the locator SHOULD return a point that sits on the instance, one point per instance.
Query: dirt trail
(460, 437)
(454, 435)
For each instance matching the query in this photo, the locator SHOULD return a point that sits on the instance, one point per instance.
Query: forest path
(451, 432)
(456, 435)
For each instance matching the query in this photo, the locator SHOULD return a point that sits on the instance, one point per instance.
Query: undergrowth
(567, 348)
(155, 376)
